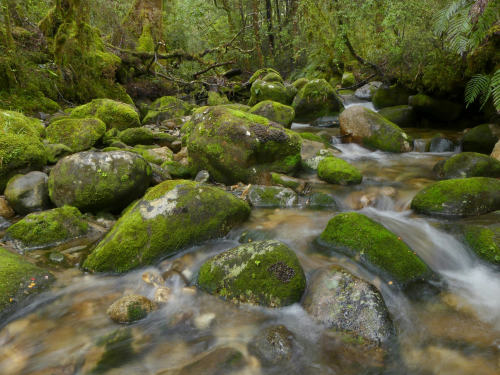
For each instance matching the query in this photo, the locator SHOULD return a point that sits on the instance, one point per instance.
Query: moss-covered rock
(484, 241)
(113, 113)
(320, 201)
(275, 91)
(153, 154)
(481, 139)
(272, 196)
(299, 83)
(47, 229)
(264, 273)
(390, 97)
(274, 111)
(237, 106)
(401, 115)
(237, 146)
(262, 73)
(98, 181)
(370, 129)
(348, 79)
(167, 108)
(365, 240)
(79, 134)
(56, 152)
(28, 193)
(459, 197)
(19, 279)
(316, 99)
(130, 308)
(215, 98)
(337, 171)
(19, 154)
(170, 217)
(438, 109)
(178, 170)
(137, 136)
(468, 164)
(293, 183)
(17, 123)
(340, 300)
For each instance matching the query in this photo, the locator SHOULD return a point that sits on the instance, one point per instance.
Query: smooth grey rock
(28, 193)
(202, 176)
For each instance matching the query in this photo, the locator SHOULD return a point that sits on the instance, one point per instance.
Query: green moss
(480, 139)
(48, 228)
(299, 83)
(214, 98)
(338, 171)
(265, 273)
(114, 114)
(117, 350)
(360, 237)
(178, 170)
(261, 73)
(316, 99)
(274, 111)
(459, 197)
(468, 164)
(484, 241)
(17, 123)
(167, 108)
(390, 97)
(286, 181)
(55, 152)
(272, 77)
(77, 134)
(272, 196)
(137, 136)
(401, 115)
(313, 137)
(275, 91)
(146, 42)
(237, 106)
(348, 79)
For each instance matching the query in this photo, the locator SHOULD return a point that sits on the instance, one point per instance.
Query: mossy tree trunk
(9, 40)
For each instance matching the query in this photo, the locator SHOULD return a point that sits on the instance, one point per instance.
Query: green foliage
(482, 87)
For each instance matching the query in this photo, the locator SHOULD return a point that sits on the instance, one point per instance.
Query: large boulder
(366, 92)
(167, 108)
(78, 134)
(438, 109)
(481, 139)
(266, 273)
(340, 300)
(19, 279)
(275, 91)
(468, 164)
(367, 241)
(337, 171)
(370, 129)
(170, 217)
(401, 115)
(28, 193)
(94, 181)
(274, 111)
(47, 229)
(17, 123)
(19, 154)
(316, 99)
(237, 146)
(390, 97)
(114, 114)
(459, 197)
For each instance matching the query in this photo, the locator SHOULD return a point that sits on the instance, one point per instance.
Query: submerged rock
(316, 99)
(342, 301)
(28, 193)
(372, 130)
(363, 239)
(130, 308)
(113, 113)
(468, 164)
(272, 196)
(337, 171)
(273, 346)
(221, 361)
(319, 200)
(264, 273)
(167, 108)
(440, 144)
(274, 111)
(481, 139)
(94, 181)
(79, 134)
(170, 217)
(459, 197)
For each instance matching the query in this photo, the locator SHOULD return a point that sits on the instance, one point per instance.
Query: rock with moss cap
(113, 113)
(468, 164)
(484, 240)
(96, 181)
(137, 136)
(79, 134)
(340, 300)
(293, 183)
(459, 197)
(262, 73)
(363, 239)
(130, 308)
(401, 115)
(16, 123)
(46, 229)
(19, 154)
(19, 280)
(348, 79)
(337, 171)
(266, 273)
(167, 108)
(170, 217)
(432, 108)
(274, 111)
(481, 139)
(370, 129)
(299, 83)
(390, 97)
(275, 91)
(236, 146)
(316, 99)
(272, 196)
(28, 193)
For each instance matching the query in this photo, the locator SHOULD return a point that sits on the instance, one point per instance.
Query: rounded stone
(273, 345)
(28, 193)
(130, 308)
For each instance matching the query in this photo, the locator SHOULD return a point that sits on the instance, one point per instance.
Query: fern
(476, 88)
(495, 89)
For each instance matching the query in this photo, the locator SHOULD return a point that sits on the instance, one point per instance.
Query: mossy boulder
(262, 73)
(237, 146)
(363, 239)
(237, 106)
(137, 136)
(299, 83)
(178, 170)
(274, 111)
(171, 216)
(484, 241)
(96, 181)
(316, 99)
(401, 115)
(167, 108)
(348, 79)
(370, 129)
(113, 113)
(468, 164)
(79, 134)
(272, 196)
(390, 97)
(459, 197)
(432, 108)
(16, 123)
(272, 77)
(56, 152)
(46, 229)
(153, 154)
(275, 91)
(337, 171)
(130, 308)
(28, 193)
(266, 273)
(19, 154)
(19, 279)
(215, 98)
(337, 299)
(481, 139)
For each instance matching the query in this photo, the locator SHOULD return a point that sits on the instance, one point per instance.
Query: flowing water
(455, 331)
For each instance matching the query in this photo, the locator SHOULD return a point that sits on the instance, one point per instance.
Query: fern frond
(484, 23)
(444, 16)
(478, 86)
(495, 89)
